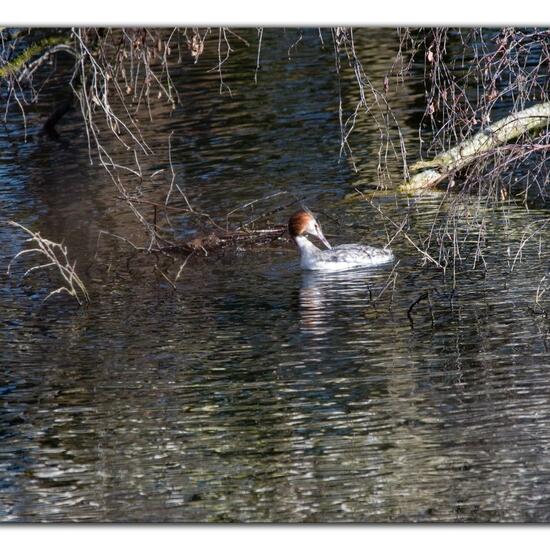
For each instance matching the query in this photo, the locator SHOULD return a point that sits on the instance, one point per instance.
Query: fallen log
(434, 171)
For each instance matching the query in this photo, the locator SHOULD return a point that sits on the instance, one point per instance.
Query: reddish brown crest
(298, 222)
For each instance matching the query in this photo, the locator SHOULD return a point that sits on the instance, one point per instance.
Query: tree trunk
(436, 170)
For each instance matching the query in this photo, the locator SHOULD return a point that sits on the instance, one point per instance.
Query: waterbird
(338, 258)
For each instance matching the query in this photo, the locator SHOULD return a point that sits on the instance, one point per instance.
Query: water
(253, 391)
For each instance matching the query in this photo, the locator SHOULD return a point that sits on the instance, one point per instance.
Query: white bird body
(339, 258)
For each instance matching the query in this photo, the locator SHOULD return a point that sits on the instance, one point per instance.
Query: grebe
(341, 257)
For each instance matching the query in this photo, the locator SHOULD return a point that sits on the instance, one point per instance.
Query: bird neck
(308, 251)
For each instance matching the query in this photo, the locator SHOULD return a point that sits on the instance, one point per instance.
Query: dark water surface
(254, 392)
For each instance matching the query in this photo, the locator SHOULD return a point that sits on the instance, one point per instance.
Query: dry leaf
(197, 47)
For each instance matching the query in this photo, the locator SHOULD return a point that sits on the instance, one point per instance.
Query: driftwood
(432, 172)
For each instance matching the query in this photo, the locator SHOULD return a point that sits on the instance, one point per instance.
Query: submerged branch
(212, 242)
(208, 243)
(57, 256)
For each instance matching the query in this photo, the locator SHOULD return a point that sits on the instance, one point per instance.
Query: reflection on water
(326, 297)
(267, 394)
(253, 391)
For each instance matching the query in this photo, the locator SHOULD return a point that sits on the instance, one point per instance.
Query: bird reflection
(327, 296)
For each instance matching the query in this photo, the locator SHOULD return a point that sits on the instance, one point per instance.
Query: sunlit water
(253, 391)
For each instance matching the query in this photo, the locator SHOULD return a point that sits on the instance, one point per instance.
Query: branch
(434, 171)
(15, 65)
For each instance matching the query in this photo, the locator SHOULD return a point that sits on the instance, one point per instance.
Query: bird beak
(321, 237)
